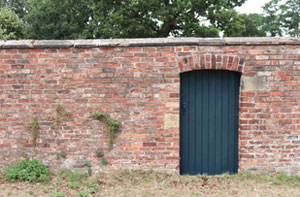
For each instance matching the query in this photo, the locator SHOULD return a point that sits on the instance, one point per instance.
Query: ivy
(34, 128)
(61, 115)
(111, 124)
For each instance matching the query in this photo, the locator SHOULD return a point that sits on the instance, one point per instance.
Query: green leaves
(282, 18)
(90, 19)
(58, 19)
(111, 124)
(28, 170)
(290, 17)
(11, 26)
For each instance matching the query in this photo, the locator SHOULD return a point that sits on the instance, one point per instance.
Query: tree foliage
(157, 18)
(290, 17)
(273, 18)
(89, 19)
(58, 19)
(11, 26)
(18, 6)
(282, 18)
(254, 25)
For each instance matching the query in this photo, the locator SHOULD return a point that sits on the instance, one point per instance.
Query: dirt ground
(151, 183)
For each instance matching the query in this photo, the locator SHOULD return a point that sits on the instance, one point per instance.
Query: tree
(58, 19)
(290, 17)
(157, 18)
(11, 26)
(18, 6)
(75, 19)
(273, 18)
(254, 25)
(234, 24)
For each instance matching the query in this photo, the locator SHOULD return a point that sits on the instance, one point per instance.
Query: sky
(252, 6)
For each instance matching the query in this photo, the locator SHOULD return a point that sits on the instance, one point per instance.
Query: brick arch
(211, 61)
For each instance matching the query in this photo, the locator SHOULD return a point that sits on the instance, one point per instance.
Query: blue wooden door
(209, 122)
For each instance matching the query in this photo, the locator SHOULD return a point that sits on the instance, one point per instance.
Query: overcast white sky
(252, 6)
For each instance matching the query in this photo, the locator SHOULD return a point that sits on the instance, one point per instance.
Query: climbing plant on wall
(111, 125)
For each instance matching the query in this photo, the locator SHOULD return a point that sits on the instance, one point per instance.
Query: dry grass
(151, 183)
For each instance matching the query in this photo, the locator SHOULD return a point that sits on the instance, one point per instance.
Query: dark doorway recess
(209, 122)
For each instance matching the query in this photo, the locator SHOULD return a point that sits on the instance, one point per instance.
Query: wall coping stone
(28, 44)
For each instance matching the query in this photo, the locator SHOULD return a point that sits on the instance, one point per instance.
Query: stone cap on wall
(28, 44)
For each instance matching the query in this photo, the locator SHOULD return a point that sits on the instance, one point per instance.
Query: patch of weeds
(103, 161)
(185, 180)
(95, 188)
(57, 195)
(83, 193)
(31, 193)
(166, 185)
(90, 171)
(61, 115)
(34, 128)
(62, 154)
(28, 170)
(88, 164)
(46, 191)
(111, 124)
(248, 175)
(74, 185)
(282, 178)
(117, 178)
(265, 178)
(72, 176)
(9, 193)
(234, 176)
(99, 153)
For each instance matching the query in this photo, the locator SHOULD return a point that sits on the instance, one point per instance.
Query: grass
(152, 183)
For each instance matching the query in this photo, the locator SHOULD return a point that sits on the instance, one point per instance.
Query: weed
(90, 171)
(9, 193)
(283, 178)
(111, 124)
(248, 175)
(57, 195)
(83, 193)
(28, 170)
(62, 154)
(99, 153)
(31, 193)
(88, 164)
(25, 155)
(34, 128)
(74, 185)
(103, 161)
(61, 115)
(95, 188)
(72, 176)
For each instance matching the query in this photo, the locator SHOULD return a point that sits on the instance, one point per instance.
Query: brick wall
(137, 82)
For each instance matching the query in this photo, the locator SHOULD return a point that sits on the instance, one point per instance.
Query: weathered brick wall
(137, 82)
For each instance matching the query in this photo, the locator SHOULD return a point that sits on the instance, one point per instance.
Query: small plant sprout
(62, 154)
(83, 193)
(90, 171)
(88, 164)
(99, 153)
(104, 161)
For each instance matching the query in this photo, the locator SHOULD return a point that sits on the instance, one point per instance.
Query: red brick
(134, 84)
